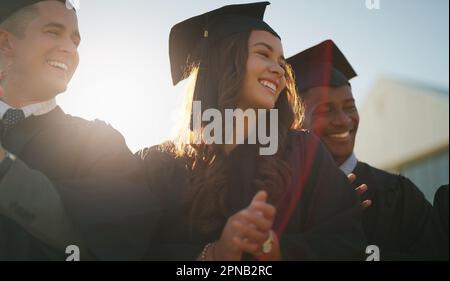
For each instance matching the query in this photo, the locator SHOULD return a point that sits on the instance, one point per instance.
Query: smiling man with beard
(399, 219)
(63, 180)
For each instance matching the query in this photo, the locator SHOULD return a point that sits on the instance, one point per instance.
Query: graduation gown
(441, 213)
(318, 218)
(400, 220)
(74, 182)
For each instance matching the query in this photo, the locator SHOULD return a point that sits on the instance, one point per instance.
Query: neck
(340, 160)
(229, 147)
(18, 102)
(19, 95)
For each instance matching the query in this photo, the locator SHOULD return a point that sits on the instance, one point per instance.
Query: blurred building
(404, 128)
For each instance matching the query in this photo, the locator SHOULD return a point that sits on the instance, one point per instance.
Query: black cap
(9, 7)
(321, 65)
(188, 36)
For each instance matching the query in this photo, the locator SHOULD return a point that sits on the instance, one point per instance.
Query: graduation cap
(190, 42)
(9, 7)
(321, 65)
(187, 37)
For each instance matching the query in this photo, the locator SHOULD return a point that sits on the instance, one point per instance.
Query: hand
(246, 230)
(360, 191)
(255, 225)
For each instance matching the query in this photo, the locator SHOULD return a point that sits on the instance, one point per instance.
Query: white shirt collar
(32, 109)
(349, 165)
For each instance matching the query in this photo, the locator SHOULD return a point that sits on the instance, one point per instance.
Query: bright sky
(124, 77)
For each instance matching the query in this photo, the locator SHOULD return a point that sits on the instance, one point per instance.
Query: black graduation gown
(98, 180)
(400, 219)
(318, 219)
(441, 214)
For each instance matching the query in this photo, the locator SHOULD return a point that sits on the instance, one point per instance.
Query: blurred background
(399, 48)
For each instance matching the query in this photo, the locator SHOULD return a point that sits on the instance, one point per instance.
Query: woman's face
(265, 75)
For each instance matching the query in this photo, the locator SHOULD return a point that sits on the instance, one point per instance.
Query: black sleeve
(106, 197)
(166, 177)
(328, 211)
(28, 198)
(441, 216)
(400, 221)
(418, 229)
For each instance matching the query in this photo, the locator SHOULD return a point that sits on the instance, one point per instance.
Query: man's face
(47, 56)
(331, 114)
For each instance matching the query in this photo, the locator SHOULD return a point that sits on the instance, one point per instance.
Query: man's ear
(6, 49)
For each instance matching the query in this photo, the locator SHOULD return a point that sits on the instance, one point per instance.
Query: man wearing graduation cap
(399, 219)
(63, 180)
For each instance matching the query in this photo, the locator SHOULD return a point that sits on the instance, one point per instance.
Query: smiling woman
(263, 49)
(229, 199)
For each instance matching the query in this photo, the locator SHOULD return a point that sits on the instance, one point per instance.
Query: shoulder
(302, 136)
(166, 173)
(441, 196)
(394, 186)
(384, 178)
(161, 160)
(307, 154)
(304, 141)
(97, 127)
(78, 127)
(308, 145)
(78, 132)
(160, 152)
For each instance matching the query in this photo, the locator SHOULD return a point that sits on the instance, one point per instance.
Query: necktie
(11, 118)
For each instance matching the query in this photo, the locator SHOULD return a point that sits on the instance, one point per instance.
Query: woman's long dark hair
(208, 161)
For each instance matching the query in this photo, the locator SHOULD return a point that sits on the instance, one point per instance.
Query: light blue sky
(124, 76)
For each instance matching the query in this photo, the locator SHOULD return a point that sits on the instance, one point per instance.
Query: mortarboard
(9, 7)
(191, 40)
(187, 36)
(321, 65)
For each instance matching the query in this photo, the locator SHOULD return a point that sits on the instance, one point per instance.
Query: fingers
(361, 189)
(351, 177)
(259, 205)
(261, 196)
(255, 219)
(263, 209)
(251, 226)
(366, 204)
(250, 233)
(246, 246)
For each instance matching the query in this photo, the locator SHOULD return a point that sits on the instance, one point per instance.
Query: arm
(326, 222)
(29, 198)
(104, 201)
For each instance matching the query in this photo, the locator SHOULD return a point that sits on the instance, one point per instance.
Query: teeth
(269, 85)
(58, 64)
(342, 135)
